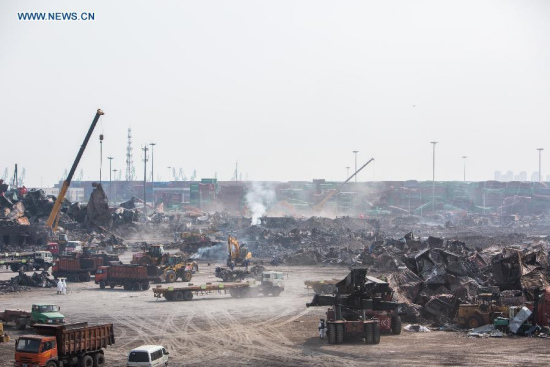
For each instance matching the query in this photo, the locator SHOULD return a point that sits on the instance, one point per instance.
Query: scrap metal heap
(350, 314)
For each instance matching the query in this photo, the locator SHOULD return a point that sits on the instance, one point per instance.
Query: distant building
(535, 177)
(522, 176)
(498, 176)
(74, 194)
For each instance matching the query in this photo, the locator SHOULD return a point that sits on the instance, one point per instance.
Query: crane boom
(61, 197)
(331, 194)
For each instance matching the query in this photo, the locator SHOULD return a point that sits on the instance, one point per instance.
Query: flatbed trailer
(185, 293)
(19, 317)
(271, 284)
(27, 261)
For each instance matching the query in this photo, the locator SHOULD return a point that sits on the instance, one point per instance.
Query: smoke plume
(258, 198)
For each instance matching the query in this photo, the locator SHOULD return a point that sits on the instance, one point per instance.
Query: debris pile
(436, 275)
(23, 282)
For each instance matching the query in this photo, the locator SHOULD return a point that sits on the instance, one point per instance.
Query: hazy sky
(286, 88)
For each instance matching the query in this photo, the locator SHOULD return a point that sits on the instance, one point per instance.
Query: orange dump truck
(131, 277)
(64, 345)
(76, 269)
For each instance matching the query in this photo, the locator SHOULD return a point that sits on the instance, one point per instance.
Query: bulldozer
(152, 255)
(237, 253)
(484, 311)
(176, 269)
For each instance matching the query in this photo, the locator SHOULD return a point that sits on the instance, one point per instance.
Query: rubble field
(217, 330)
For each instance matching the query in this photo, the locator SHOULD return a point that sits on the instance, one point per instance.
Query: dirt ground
(217, 330)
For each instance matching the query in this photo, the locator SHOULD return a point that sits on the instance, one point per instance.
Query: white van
(148, 356)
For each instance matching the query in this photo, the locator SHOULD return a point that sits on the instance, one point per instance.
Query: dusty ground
(217, 330)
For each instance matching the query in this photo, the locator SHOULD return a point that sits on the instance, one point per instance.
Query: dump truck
(27, 261)
(64, 345)
(272, 283)
(76, 269)
(131, 277)
(41, 313)
(348, 315)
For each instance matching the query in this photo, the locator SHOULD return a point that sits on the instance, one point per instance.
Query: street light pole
(110, 181)
(433, 176)
(145, 149)
(153, 171)
(464, 158)
(355, 152)
(114, 198)
(100, 155)
(540, 173)
(169, 173)
(347, 170)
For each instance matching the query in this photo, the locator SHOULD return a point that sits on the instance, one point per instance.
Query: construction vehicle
(53, 218)
(4, 338)
(152, 255)
(317, 208)
(27, 261)
(541, 307)
(237, 253)
(76, 269)
(130, 277)
(355, 296)
(272, 283)
(41, 313)
(176, 269)
(64, 345)
(485, 309)
(228, 275)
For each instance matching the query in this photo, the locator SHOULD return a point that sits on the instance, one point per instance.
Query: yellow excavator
(237, 253)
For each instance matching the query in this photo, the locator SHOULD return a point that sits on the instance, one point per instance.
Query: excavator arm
(233, 247)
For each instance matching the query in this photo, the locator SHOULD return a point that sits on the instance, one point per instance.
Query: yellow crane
(53, 219)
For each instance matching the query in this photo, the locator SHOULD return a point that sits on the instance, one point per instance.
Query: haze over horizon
(288, 89)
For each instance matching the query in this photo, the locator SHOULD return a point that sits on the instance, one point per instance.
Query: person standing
(64, 290)
(322, 328)
(59, 286)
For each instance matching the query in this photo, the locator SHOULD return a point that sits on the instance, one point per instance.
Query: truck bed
(78, 338)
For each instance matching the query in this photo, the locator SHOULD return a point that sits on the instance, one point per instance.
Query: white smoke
(258, 198)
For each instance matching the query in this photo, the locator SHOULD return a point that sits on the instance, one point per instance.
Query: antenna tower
(129, 159)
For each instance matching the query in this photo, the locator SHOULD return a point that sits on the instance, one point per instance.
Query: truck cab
(273, 278)
(73, 246)
(53, 247)
(102, 273)
(43, 259)
(35, 350)
(46, 314)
